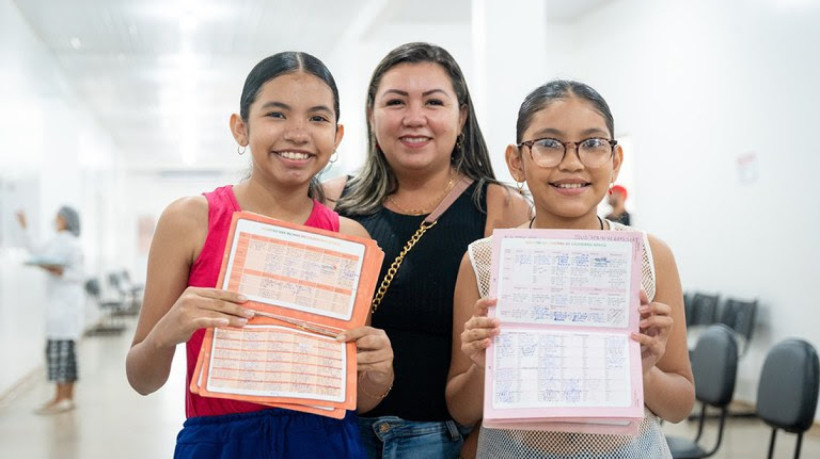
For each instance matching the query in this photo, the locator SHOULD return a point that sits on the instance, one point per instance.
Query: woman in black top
(423, 138)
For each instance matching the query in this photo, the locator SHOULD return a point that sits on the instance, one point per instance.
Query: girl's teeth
(414, 139)
(294, 155)
(570, 185)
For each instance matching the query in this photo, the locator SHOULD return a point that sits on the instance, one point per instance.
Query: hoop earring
(520, 186)
(240, 150)
(329, 164)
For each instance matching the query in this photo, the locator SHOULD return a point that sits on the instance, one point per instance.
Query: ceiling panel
(155, 71)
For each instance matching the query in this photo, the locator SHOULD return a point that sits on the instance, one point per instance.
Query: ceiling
(161, 76)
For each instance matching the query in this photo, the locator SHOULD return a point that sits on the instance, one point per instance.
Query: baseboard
(21, 386)
(38, 373)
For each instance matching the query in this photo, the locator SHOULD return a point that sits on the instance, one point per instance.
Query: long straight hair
(470, 157)
(280, 64)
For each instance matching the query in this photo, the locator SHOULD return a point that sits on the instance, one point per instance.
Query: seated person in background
(617, 199)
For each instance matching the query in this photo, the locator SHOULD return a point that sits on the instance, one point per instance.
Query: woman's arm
(32, 246)
(374, 356)
(669, 389)
(505, 208)
(171, 311)
(472, 333)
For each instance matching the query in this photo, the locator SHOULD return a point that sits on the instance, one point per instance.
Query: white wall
(695, 85)
(354, 60)
(52, 152)
(698, 85)
(149, 193)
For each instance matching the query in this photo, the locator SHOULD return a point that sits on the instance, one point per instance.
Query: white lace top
(502, 443)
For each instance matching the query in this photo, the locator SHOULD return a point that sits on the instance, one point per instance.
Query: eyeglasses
(548, 152)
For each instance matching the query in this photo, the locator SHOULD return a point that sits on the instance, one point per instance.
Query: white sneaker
(54, 408)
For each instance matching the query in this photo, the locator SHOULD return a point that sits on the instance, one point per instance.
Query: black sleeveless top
(417, 310)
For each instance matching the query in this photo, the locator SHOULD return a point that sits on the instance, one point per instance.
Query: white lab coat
(65, 294)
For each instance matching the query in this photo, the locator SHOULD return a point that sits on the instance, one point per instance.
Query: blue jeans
(275, 433)
(391, 437)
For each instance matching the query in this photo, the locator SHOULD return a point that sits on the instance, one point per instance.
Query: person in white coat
(62, 258)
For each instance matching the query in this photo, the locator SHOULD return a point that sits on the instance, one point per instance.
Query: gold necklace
(427, 209)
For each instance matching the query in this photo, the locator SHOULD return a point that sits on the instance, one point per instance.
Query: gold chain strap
(388, 277)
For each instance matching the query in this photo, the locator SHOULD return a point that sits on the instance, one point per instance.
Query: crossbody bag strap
(429, 222)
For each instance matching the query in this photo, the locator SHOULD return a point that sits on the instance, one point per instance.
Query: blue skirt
(274, 433)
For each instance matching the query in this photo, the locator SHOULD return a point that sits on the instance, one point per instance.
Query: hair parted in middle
(551, 91)
(280, 64)
(376, 180)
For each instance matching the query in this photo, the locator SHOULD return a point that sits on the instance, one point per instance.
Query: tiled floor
(114, 421)
(748, 437)
(111, 419)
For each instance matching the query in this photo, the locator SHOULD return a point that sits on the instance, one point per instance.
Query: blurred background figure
(62, 258)
(617, 200)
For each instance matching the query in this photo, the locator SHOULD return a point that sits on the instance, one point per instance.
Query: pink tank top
(205, 273)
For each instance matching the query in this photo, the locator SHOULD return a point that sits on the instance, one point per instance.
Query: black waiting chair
(110, 309)
(704, 309)
(135, 289)
(687, 308)
(787, 392)
(130, 293)
(700, 314)
(714, 366)
(740, 316)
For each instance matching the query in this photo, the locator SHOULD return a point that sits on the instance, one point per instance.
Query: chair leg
(701, 422)
(799, 444)
(771, 443)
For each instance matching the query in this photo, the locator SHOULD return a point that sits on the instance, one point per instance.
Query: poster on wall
(747, 168)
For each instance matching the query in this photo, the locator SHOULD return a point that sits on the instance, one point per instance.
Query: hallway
(111, 420)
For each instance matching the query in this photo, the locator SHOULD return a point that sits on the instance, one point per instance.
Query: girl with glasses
(566, 153)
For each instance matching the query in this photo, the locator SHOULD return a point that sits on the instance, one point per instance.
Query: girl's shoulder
(481, 244)
(187, 210)
(352, 227)
(506, 208)
(661, 253)
(185, 217)
(503, 196)
(657, 248)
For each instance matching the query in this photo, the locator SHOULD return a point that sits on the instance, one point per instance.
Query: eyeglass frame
(529, 143)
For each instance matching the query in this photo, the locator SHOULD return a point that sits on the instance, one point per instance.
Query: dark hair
(280, 64)
(544, 95)
(470, 155)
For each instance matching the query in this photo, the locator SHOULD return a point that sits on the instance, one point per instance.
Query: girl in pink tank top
(288, 120)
